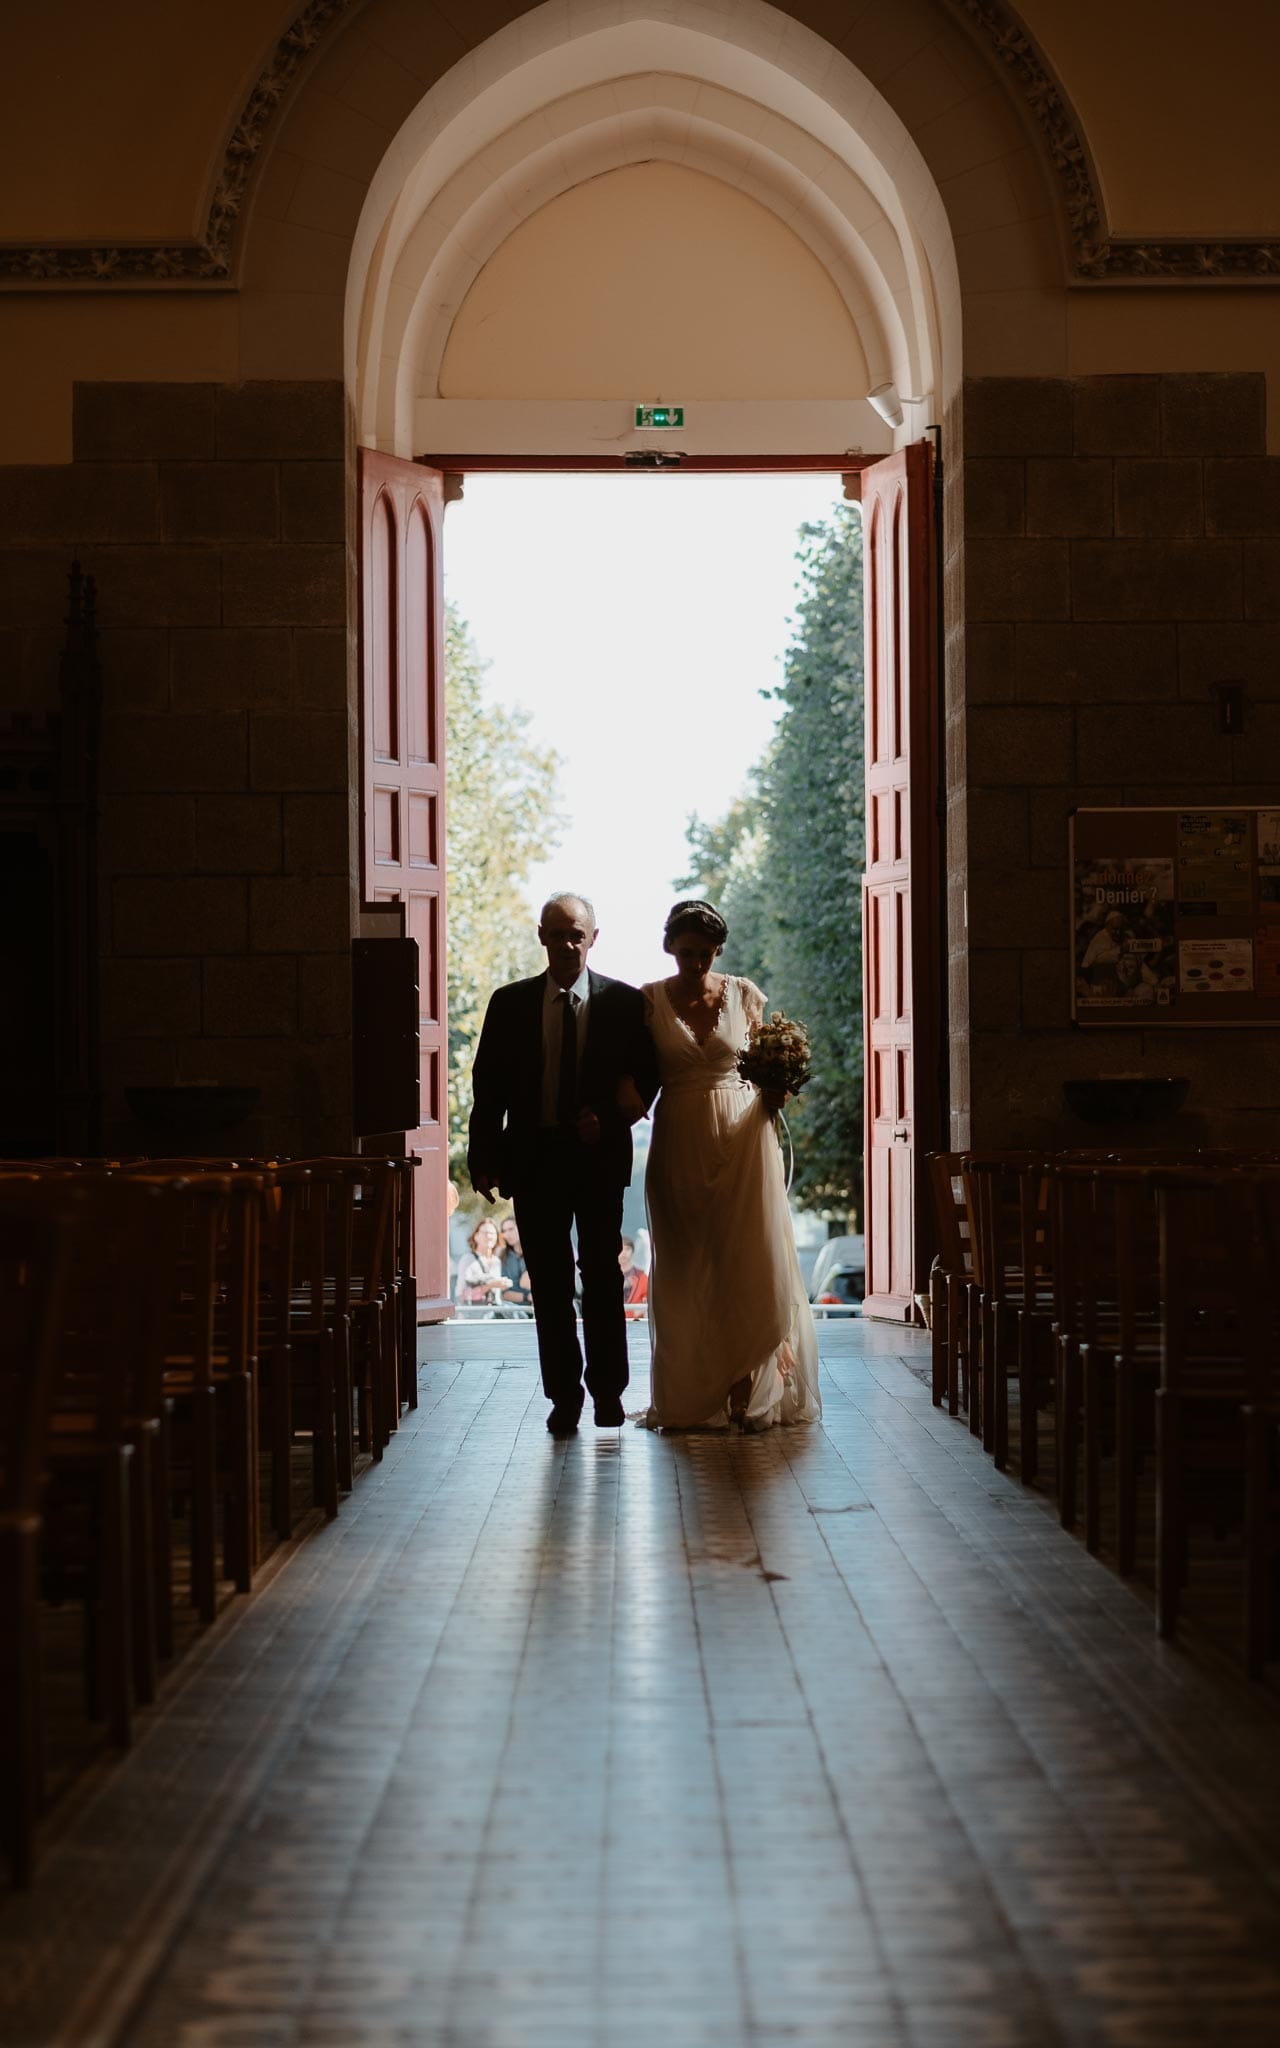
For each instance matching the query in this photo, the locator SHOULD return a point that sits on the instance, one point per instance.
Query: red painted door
(402, 809)
(900, 910)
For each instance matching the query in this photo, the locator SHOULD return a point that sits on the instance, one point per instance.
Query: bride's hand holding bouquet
(776, 1061)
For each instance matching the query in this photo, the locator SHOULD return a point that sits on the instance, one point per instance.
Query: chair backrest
(212, 1307)
(1007, 1198)
(1266, 1197)
(1211, 1267)
(1082, 1247)
(360, 1194)
(204, 1310)
(404, 1171)
(373, 1241)
(321, 1193)
(37, 1246)
(951, 1213)
(106, 1336)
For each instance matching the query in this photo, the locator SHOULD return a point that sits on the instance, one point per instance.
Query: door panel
(900, 889)
(402, 812)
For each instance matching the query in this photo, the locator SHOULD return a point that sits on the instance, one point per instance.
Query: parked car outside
(810, 1233)
(840, 1274)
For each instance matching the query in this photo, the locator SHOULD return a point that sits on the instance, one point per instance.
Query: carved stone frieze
(208, 261)
(1095, 256)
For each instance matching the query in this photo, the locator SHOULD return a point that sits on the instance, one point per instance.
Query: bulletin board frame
(1175, 916)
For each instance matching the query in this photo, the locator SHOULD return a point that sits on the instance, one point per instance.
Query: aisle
(823, 1739)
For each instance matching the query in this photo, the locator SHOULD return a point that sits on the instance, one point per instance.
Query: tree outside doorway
(785, 862)
(783, 856)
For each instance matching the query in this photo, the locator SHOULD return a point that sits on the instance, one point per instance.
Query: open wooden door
(402, 808)
(900, 908)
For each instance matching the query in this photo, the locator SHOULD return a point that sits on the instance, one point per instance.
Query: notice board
(1175, 916)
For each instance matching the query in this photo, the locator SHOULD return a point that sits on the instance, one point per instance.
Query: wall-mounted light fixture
(885, 400)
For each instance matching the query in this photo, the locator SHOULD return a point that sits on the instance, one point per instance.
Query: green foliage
(726, 865)
(785, 863)
(502, 817)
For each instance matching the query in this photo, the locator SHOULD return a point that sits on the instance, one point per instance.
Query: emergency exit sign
(659, 415)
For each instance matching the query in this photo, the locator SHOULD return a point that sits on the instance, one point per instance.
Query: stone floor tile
(824, 1739)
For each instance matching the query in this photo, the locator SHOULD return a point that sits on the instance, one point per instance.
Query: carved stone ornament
(208, 261)
(1095, 256)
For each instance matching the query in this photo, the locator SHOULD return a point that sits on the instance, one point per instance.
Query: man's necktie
(567, 1087)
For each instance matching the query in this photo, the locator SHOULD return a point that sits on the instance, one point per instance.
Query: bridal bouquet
(777, 1059)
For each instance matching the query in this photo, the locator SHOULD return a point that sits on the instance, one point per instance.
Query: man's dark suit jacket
(506, 1113)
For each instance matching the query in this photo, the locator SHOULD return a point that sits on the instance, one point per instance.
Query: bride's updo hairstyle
(692, 915)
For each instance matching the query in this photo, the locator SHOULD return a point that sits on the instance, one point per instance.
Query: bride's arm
(630, 1101)
(637, 1089)
(753, 1001)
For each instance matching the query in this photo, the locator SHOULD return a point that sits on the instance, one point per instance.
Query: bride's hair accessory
(693, 915)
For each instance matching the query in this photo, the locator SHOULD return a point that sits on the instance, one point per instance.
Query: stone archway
(785, 120)
(788, 125)
(938, 102)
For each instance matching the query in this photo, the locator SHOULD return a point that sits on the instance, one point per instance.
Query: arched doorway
(538, 240)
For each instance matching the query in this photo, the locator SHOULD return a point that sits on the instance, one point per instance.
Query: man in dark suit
(547, 1129)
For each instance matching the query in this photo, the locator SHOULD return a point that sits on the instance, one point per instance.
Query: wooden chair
(357, 1194)
(1076, 1266)
(1220, 1358)
(127, 1232)
(405, 1283)
(36, 1249)
(99, 1505)
(306, 1338)
(360, 1199)
(950, 1280)
(373, 1304)
(398, 1285)
(147, 1430)
(209, 1369)
(1093, 1330)
(1262, 1534)
(1262, 1446)
(1135, 1358)
(1006, 1195)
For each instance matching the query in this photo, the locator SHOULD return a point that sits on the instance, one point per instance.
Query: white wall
(658, 282)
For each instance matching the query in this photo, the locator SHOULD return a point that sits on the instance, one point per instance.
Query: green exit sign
(659, 415)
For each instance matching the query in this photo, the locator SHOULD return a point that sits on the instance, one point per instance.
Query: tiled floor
(823, 1739)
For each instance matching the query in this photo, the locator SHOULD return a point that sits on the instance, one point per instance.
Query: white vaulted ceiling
(571, 93)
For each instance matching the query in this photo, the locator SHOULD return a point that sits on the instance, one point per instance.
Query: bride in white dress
(731, 1328)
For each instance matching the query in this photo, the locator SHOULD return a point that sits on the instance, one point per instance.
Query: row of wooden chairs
(161, 1319)
(1133, 1304)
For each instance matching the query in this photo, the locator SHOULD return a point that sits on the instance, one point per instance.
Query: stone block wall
(1121, 557)
(214, 519)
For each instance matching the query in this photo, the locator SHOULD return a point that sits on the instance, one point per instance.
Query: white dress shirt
(552, 1021)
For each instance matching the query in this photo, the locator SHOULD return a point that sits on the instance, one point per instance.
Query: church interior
(339, 1707)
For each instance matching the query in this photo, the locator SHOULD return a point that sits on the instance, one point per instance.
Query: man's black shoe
(563, 1422)
(610, 1414)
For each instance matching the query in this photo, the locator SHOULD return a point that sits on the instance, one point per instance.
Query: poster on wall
(1125, 955)
(1215, 864)
(1175, 916)
(1209, 967)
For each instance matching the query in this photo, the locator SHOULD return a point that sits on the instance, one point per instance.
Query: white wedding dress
(726, 1298)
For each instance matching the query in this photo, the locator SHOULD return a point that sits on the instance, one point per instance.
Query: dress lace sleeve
(753, 1002)
(647, 991)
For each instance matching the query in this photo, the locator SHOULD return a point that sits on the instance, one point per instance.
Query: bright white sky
(637, 618)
